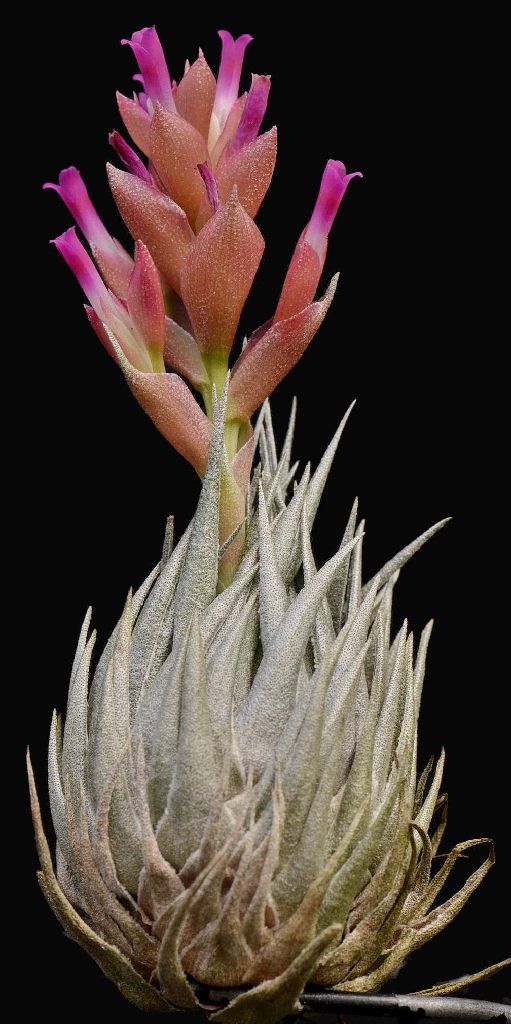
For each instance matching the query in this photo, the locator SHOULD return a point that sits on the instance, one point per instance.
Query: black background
(410, 335)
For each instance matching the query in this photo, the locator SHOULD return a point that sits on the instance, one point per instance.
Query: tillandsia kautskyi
(235, 793)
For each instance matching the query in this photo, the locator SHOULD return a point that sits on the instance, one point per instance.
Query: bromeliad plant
(234, 795)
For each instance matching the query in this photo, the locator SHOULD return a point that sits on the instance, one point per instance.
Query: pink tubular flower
(154, 72)
(308, 259)
(116, 266)
(130, 159)
(231, 62)
(253, 112)
(333, 186)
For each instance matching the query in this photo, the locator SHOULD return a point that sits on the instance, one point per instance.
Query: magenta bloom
(114, 261)
(227, 87)
(253, 112)
(154, 73)
(308, 259)
(333, 186)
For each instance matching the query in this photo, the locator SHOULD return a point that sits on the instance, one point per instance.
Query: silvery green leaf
(160, 730)
(354, 585)
(349, 880)
(221, 608)
(196, 773)
(324, 634)
(403, 556)
(387, 724)
(349, 642)
(55, 789)
(286, 533)
(320, 477)
(168, 540)
(273, 598)
(272, 697)
(300, 776)
(82, 641)
(74, 747)
(152, 632)
(222, 670)
(138, 602)
(425, 814)
(337, 591)
(270, 438)
(281, 478)
(420, 662)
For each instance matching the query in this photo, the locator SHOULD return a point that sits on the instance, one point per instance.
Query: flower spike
(190, 211)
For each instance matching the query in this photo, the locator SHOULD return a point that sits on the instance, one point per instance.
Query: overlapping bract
(235, 798)
(190, 210)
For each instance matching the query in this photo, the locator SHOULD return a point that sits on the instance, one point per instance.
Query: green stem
(217, 367)
(231, 500)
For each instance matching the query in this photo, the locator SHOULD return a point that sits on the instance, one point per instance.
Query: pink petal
(115, 263)
(73, 193)
(229, 130)
(153, 67)
(253, 113)
(79, 261)
(195, 94)
(308, 259)
(182, 353)
(210, 185)
(154, 219)
(263, 364)
(229, 74)
(176, 149)
(136, 120)
(130, 159)
(146, 306)
(218, 275)
(333, 186)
